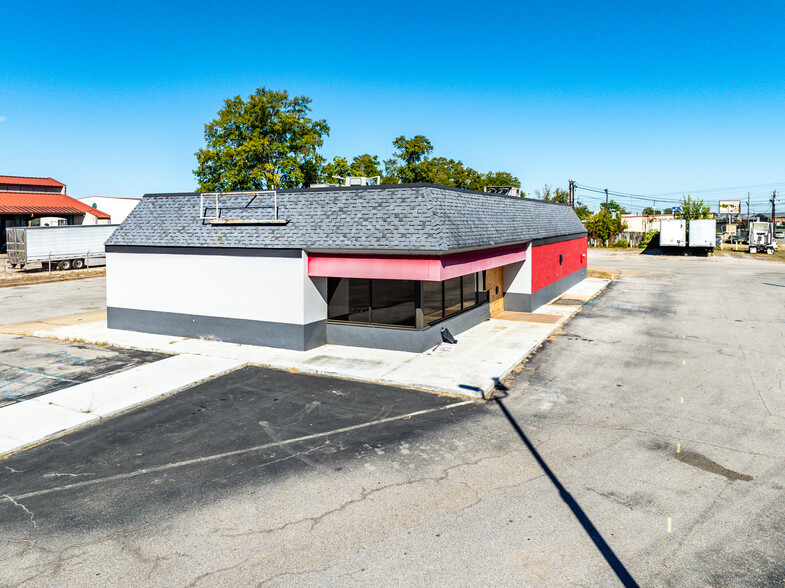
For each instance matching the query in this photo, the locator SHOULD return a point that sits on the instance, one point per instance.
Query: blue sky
(112, 97)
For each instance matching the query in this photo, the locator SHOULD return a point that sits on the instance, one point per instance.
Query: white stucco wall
(117, 208)
(518, 276)
(269, 288)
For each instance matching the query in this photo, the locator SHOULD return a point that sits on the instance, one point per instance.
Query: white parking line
(207, 458)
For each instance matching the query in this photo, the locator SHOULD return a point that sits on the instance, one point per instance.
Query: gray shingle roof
(404, 217)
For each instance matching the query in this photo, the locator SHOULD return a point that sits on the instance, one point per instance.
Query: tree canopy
(270, 141)
(582, 211)
(266, 142)
(604, 226)
(412, 162)
(613, 207)
(692, 208)
(553, 195)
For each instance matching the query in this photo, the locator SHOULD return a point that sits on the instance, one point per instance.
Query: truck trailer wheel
(78, 263)
(64, 265)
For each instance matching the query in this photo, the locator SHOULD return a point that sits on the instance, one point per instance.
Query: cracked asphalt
(32, 367)
(646, 438)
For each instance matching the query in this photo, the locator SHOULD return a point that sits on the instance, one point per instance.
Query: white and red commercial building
(374, 266)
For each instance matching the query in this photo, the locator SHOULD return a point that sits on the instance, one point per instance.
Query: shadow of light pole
(605, 549)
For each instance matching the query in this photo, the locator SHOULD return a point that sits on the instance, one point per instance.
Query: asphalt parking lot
(40, 301)
(189, 448)
(32, 367)
(643, 443)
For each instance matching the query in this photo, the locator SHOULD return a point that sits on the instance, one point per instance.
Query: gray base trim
(248, 332)
(528, 302)
(412, 340)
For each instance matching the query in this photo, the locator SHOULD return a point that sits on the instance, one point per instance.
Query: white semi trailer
(673, 232)
(703, 232)
(65, 247)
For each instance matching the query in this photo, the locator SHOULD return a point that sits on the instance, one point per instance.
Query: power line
(763, 190)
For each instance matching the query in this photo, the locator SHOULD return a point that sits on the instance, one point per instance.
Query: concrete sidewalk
(29, 422)
(483, 356)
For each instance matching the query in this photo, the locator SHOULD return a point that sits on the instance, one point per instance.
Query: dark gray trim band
(558, 239)
(248, 332)
(217, 250)
(516, 302)
(413, 340)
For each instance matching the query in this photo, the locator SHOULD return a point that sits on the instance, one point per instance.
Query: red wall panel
(545, 261)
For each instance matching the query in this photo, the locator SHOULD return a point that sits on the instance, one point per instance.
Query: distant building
(26, 201)
(117, 208)
(640, 224)
(643, 223)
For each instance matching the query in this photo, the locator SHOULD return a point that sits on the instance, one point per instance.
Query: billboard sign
(730, 206)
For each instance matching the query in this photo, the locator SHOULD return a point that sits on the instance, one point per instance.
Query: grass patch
(602, 274)
(56, 276)
(778, 255)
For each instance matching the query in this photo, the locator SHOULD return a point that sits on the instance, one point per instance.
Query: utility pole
(572, 194)
(748, 211)
(773, 215)
(606, 198)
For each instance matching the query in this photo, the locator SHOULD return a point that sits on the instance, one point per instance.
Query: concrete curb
(31, 422)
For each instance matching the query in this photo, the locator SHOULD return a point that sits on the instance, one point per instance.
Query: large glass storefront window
(349, 300)
(384, 302)
(432, 307)
(452, 296)
(395, 302)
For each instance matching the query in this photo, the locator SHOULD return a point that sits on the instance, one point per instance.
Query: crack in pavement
(24, 508)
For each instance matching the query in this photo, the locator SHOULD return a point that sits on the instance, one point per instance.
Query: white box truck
(673, 233)
(703, 232)
(67, 247)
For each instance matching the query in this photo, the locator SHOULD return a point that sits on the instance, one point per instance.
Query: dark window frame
(480, 297)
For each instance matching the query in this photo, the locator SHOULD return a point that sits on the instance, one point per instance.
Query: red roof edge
(30, 181)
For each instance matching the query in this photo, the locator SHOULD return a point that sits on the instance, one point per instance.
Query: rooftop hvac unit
(506, 190)
(360, 180)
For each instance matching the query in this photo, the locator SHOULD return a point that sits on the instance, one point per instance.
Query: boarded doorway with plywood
(494, 283)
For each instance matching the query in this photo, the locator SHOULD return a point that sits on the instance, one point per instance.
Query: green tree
(268, 141)
(409, 163)
(604, 226)
(693, 208)
(553, 195)
(667, 211)
(613, 207)
(501, 178)
(449, 172)
(412, 162)
(582, 211)
(649, 211)
(335, 169)
(366, 165)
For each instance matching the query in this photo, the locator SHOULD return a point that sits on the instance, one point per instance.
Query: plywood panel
(494, 282)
